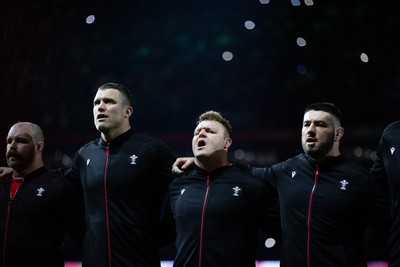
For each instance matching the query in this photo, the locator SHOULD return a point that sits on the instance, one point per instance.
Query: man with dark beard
(38, 208)
(326, 200)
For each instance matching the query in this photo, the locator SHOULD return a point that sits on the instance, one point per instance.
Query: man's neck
(111, 135)
(209, 165)
(25, 172)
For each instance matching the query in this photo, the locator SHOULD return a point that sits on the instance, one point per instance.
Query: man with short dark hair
(326, 201)
(125, 176)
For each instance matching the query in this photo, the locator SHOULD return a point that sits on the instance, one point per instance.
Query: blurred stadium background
(259, 62)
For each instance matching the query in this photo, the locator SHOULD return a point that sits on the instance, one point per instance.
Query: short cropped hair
(327, 107)
(122, 89)
(215, 116)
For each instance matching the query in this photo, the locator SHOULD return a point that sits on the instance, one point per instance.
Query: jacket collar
(196, 170)
(31, 175)
(118, 140)
(327, 163)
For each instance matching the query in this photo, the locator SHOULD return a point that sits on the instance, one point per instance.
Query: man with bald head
(25, 143)
(38, 208)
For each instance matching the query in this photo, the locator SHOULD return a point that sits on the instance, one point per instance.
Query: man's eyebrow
(315, 121)
(204, 127)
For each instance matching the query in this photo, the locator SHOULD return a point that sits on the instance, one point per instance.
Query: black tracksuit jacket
(34, 225)
(387, 168)
(124, 184)
(325, 209)
(218, 216)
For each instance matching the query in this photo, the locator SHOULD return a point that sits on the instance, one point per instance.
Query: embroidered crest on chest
(343, 184)
(236, 191)
(133, 159)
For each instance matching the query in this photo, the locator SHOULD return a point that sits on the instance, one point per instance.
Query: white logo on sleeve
(133, 159)
(40, 192)
(343, 184)
(183, 191)
(87, 162)
(293, 173)
(392, 149)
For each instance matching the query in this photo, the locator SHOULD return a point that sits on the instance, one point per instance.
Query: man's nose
(202, 132)
(310, 130)
(12, 144)
(101, 106)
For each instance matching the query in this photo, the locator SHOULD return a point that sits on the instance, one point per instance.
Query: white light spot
(358, 151)
(270, 242)
(373, 155)
(239, 154)
(264, 2)
(295, 3)
(90, 19)
(364, 57)
(66, 160)
(301, 41)
(227, 56)
(249, 24)
(309, 2)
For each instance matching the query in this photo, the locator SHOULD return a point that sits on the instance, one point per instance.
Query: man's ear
(339, 134)
(228, 143)
(128, 111)
(39, 146)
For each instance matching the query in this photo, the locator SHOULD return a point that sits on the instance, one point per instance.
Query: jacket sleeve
(73, 205)
(166, 158)
(72, 173)
(167, 223)
(265, 173)
(379, 205)
(378, 167)
(271, 223)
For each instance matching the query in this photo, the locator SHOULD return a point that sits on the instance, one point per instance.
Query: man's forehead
(208, 124)
(106, 93)
(21, 132)
(316, 115)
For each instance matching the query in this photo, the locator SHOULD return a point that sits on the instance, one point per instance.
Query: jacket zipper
(202, 219)
(106, 203)
(309, 216)
(6, 232)
(7, 223)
